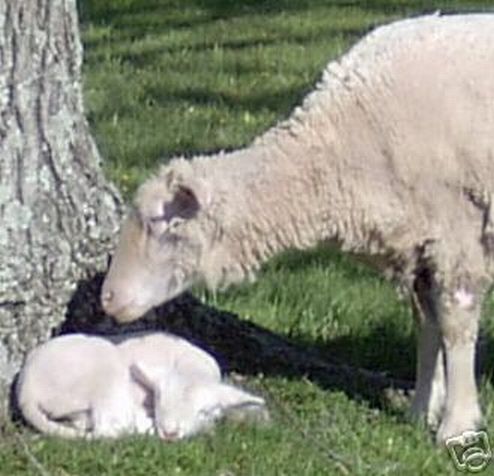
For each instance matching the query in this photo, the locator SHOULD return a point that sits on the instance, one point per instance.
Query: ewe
(391, 157)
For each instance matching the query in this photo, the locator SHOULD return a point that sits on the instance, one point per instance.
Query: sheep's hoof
(465, 421)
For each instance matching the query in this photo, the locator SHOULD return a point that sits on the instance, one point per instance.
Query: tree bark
(58, 215)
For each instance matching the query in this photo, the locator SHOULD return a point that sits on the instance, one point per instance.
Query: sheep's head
(161, 244)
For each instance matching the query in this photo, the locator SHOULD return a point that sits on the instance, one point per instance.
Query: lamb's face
(182, 411)
(158, 253)
(188, 402)
(185, 407)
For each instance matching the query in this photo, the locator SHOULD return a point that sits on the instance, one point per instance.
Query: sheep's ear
(142, 377)
(184, 204)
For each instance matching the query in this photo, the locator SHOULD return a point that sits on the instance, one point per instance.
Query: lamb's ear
(141, 376)
(230, 396)
(239, 405)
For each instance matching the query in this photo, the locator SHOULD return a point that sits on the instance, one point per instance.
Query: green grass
(174, 77)
(166, 78)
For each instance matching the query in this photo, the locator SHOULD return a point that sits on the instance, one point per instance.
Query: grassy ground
(168, 77)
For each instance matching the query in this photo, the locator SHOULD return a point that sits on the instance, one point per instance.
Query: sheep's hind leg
(459, 320)
(430, 389)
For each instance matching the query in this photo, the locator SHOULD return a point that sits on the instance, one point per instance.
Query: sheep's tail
(39, 419)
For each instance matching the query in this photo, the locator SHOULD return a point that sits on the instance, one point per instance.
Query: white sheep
(391, 158)
(87, 386)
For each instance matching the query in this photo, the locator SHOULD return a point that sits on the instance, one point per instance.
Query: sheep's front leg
(459, 320)
(430, 388)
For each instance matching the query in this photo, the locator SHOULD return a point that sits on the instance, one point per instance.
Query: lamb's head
(185, 405)
(161, 245)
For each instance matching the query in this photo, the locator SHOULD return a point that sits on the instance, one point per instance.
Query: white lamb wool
(87, 386)
(79, 386)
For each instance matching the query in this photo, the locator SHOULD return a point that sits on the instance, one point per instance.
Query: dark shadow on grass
(377, 368)
(383, 348)
(245, 347)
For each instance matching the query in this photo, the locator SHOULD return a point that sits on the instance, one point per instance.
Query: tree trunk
(58, 215)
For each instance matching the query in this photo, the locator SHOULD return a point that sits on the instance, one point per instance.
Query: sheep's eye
(161, 220)
(157, 219)
(156, 226)
(162, 228)
(175, 222)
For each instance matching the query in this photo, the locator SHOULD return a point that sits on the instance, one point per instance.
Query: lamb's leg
(459, 320)
(78, 419)
(113, 412)
(71, 411)
(110, 421)
(430, 389)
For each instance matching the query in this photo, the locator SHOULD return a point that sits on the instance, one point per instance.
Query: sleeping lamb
(79, 386)
(87, 386)
(391, 157)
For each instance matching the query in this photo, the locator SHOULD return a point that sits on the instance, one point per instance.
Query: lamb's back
(166, 352)
(72, 363)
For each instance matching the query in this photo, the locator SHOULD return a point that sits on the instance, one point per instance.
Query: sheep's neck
(314, 178)
(282, 192)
